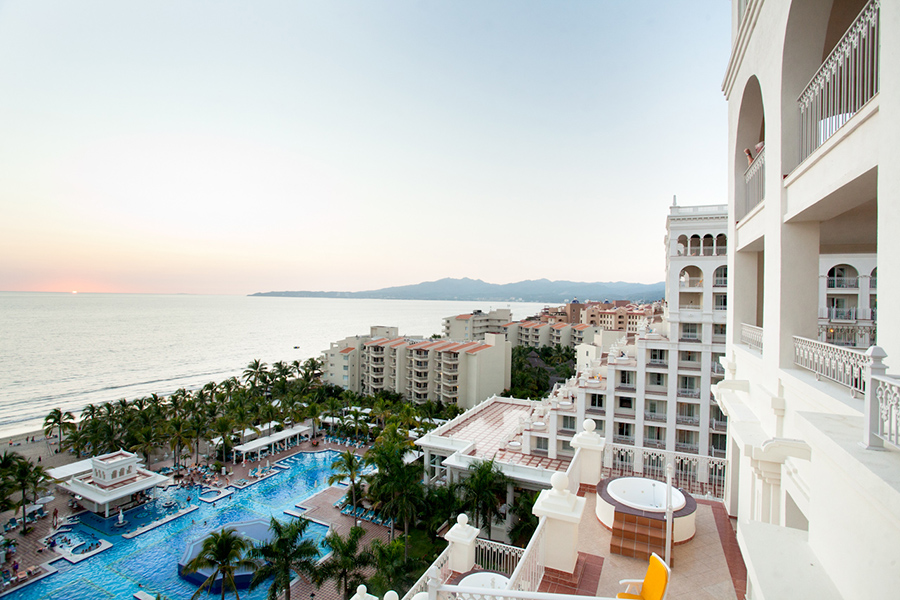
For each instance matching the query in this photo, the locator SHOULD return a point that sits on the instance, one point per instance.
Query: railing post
(872, 416)
(434, 582)
(462, 544)
(590, 445)
(563, 511)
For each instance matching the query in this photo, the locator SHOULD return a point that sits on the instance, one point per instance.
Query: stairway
(637, 537)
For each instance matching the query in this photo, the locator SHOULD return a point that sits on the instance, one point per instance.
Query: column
(563, 511)
(462, 544)
(591, 445)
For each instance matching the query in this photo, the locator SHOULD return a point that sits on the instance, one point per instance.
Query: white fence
(494, 556)
(530, 569)
(442, 564)
(752, 336)
(699, 475)
(754, 183)
(841, 365)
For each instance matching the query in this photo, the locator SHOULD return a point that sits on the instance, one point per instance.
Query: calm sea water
(68, 350)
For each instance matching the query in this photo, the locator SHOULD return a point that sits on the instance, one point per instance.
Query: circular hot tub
(645, 499)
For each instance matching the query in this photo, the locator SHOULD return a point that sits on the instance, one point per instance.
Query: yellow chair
(654, 584)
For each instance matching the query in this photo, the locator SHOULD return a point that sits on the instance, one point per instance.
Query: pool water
(150, 559)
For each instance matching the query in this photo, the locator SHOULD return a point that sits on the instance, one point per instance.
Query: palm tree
(255, 372)
(224, 553)
(313, 412)
(484, 491)
(525, 520)
(285, 553)
(393, 570)
(346, 563)
(59, 420)
(223, 427)
(347, 466)
(8, 463)
(179, 437)
(28, 477)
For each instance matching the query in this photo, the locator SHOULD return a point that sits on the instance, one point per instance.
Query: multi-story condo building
(618, 316)
(461, 373)
(474, 325)
(847, 299)
(813, 90)
(537, 334)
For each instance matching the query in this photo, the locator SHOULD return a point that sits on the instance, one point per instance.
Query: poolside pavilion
(266, 443)
(106, 481)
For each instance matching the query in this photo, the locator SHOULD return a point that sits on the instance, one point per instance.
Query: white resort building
(455, 372)
(474, 325)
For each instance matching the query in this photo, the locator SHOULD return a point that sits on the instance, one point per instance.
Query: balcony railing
(652, 443)
(720, 282)
(596, 410)
(657, 362)
(843, 84)
(654, 416)
(842, 314)
(530, 568)
(442, 566)
(873, 283)
(493, 556)
(843, 283)
(699, 475)
(716, 453)
(687, 420)
(686, 447)
(691, 282)
(624, 439)
(717, 369)
(841, 365)
(718, 425)
(690, 307)
(689, 392)
(754, 183)
(752, 336)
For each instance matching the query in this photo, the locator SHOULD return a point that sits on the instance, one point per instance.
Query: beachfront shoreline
(41, 448)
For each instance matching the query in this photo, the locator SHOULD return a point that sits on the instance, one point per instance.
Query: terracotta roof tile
(348, 350)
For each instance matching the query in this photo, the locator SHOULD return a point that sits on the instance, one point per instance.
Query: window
(626, 403)
(626, 378)
(720, 301)
(542, 443)
(566, 446)
(657, 356)
(623, 429)
(658, 379)
(599, 426)
(687, 383)
(568, 423)
(346, 367)
(655, 406)
(690, 331)
(597, 400)
(719, 329)
(690, 357)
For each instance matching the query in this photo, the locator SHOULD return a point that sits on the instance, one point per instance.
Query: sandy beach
(41, 448)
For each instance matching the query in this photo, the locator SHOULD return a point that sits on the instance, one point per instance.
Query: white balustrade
(530, 569)
(887, 396)
(699, 475)
(841, 365)
(441, 565)
(752, 336)
(754, 183)
(843, 84)
(494, 556)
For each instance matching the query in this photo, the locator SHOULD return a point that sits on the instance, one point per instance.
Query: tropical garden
(184, 424)
(533, 371)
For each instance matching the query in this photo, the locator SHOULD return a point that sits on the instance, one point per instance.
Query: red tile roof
(477, 349)
(348, 350)
(463, 317)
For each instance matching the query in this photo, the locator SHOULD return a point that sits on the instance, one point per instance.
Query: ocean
(69, 350)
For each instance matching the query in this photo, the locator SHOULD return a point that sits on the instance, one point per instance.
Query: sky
(220, 147)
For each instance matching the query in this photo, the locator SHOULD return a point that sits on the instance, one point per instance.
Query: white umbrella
(45, 499)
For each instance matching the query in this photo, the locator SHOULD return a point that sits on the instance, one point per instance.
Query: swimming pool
(150, 559)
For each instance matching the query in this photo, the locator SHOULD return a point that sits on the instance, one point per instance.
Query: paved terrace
(492, 427)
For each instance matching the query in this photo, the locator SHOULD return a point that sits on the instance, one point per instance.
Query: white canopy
(268, 440)
(248, 432)
(66, 471)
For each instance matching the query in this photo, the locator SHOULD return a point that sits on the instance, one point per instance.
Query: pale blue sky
(234, 147)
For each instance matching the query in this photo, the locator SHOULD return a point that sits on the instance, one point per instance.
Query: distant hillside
(538, 290)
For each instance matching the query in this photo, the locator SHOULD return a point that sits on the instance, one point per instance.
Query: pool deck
(30, 550)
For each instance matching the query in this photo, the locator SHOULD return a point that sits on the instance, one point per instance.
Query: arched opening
(682, 245)
(843, 277)
(721, 244)
(694, 245)
(690, 283)
(825, 81)
(720, 278)
(749, 151)
(708, 245)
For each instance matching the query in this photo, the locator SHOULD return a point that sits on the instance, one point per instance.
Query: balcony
(624, 414)
(688, 420)
(843, 283)
(628, 440)
(687, 447)
(716, 453)
(717, 425)
(595, 410)
(873, 283)
(754, 184)
(841, 314)
(752, 336)
(658, 363)
(696, 307)
(846, 81)
(691, 282)
(841, 365)
(689, 365)
(654, 416)
(652, 443)
(720, 282)
(689, 392)
(689, 336)
(717, 369)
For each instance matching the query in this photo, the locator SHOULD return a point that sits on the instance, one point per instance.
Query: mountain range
(534, 290)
